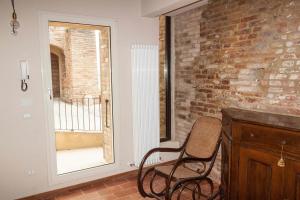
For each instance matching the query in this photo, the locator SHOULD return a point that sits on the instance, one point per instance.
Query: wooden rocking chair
(189, 171)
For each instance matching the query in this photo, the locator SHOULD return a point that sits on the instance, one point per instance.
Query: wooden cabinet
(292, 180)
(253, 143)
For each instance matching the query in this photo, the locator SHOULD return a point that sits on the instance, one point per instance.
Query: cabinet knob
(252, 134)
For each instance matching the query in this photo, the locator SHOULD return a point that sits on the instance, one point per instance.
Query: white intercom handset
(24, 75)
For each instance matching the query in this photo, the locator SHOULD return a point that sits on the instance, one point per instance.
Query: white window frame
(96, 172)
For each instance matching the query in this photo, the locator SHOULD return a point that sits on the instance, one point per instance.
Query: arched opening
(55, 75)
(57, 69)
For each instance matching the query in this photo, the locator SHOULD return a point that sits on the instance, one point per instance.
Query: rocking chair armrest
(159, 149)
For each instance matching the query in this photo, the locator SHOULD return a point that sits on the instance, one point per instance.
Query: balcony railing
(78, 114)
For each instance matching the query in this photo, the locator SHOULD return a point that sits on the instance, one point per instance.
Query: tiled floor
(123, 188)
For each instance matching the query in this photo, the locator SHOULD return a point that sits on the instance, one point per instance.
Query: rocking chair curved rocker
(189, 171)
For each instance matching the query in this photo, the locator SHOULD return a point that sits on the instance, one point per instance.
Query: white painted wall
(23, 142)
(153, 8)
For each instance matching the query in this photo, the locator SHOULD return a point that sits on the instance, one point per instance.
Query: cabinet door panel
(292, 180)
(259, 175)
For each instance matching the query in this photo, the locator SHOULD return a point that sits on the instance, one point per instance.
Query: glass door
(81, 95)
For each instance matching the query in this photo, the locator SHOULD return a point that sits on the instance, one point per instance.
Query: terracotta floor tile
(124, 188)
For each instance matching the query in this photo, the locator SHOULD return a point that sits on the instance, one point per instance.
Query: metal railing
(78, 114)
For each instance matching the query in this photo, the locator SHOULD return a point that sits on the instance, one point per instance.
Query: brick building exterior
(236, 53)
(80, 76)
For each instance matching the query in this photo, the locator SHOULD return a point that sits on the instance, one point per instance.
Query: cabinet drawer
(270, 137)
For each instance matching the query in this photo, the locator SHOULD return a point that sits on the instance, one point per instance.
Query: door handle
(106, 112)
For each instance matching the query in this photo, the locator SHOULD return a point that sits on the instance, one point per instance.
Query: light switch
(27, 116)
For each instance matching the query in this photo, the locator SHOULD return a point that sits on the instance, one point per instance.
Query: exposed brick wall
(237, 53)
(162, 82)
(187, 49)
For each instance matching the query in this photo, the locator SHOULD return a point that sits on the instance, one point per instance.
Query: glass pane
(81, 85)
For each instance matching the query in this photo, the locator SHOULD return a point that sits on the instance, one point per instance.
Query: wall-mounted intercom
(24, 75)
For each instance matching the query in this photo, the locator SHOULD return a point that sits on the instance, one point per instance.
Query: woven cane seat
(180, 173)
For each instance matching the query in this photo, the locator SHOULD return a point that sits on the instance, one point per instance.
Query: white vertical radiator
(145, 99)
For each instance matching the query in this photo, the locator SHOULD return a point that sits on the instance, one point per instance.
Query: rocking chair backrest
(204, 137)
